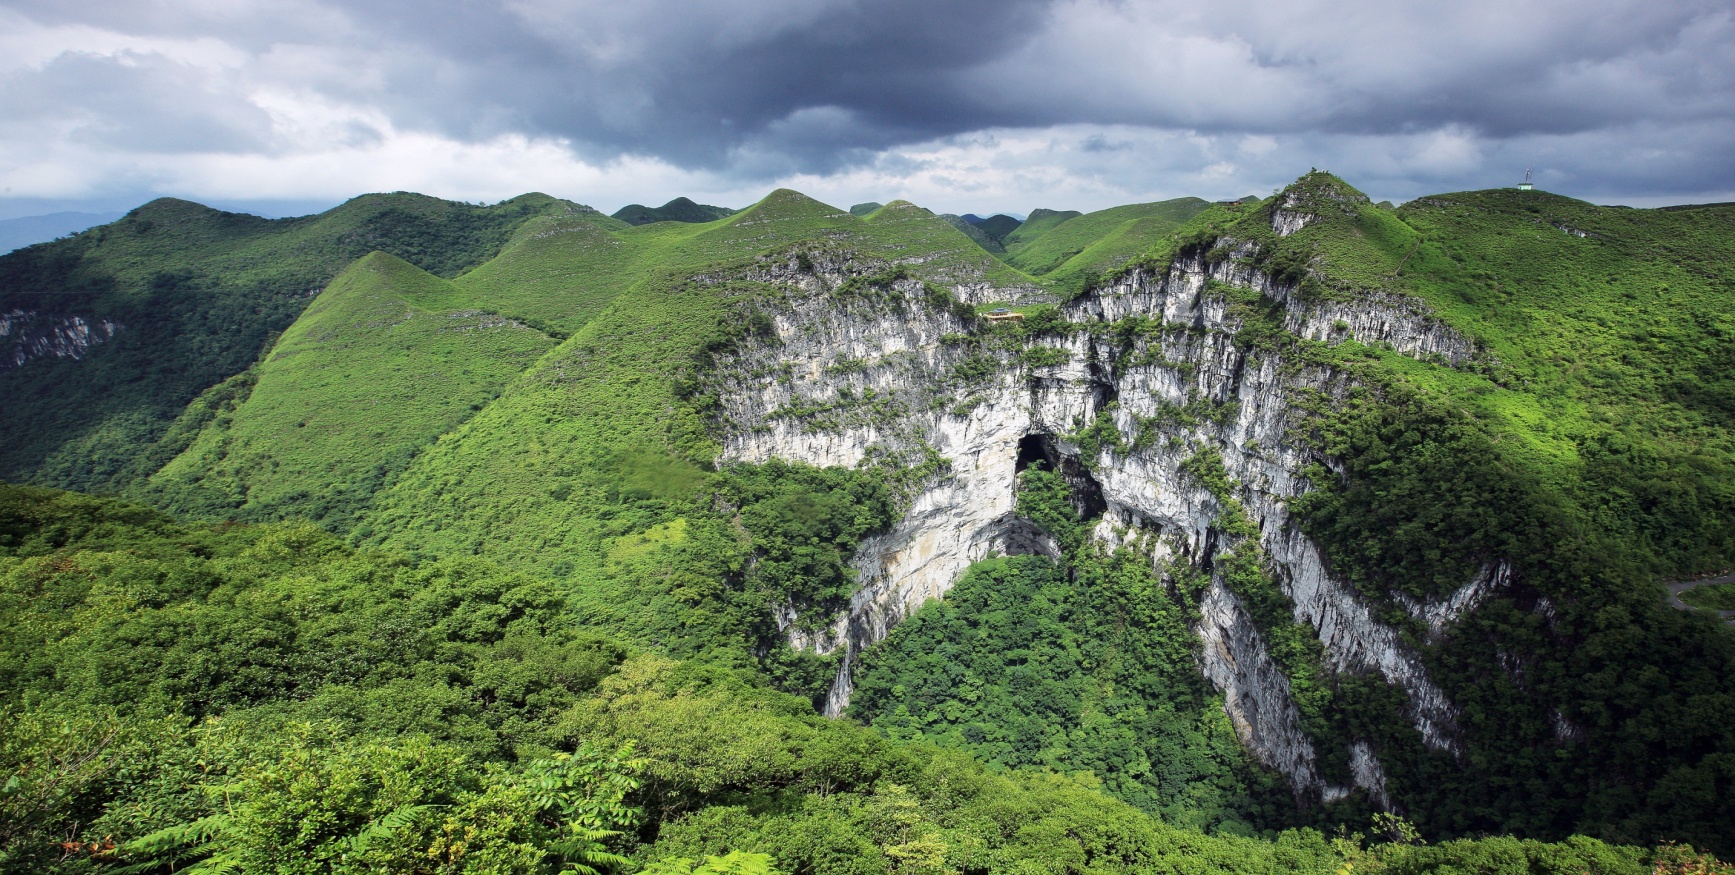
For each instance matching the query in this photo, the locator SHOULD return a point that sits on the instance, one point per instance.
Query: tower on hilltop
(1525, 185)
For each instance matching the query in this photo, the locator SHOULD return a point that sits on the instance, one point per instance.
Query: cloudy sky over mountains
(981, 105)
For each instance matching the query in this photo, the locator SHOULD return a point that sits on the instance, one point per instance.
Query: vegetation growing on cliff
(1026, 665)
(1585, 481)
(1559, 450)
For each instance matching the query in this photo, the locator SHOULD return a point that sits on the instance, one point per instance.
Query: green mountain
(608, 402)
(678, 210)
(536, 535)
(191, 297)
(1096, 241)
(1482, 429)
(975, 233)
(386, 359)
(1039, 222)
(998, 226)
(865, 209)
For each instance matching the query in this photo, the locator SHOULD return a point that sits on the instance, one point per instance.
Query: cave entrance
(1034, 450)
(1041, 452)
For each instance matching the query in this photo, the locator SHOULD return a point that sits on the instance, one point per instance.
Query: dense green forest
(418, 555)
(267, 699)
(1030, 667)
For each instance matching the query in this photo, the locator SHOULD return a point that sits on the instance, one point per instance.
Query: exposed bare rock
(27, 335)
(843, 380)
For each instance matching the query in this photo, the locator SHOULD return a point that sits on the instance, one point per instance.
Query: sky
(291, 106)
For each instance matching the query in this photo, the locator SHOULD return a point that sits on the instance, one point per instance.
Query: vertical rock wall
(27, 335)
(886, 375)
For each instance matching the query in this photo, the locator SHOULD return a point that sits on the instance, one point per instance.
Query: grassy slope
(1099, 240)
(378, 366)
(1040, 222)
(1628, 329)
(976, 234)
(1611, 350)
(200, 293)
(901, 225)
(587, 467)
(556, 274)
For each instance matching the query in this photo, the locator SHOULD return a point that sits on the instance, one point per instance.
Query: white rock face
(1255, 691)
(1369, 775)
(886, 375)
(1286, 222)
(26, 335)
(1289, 217)
(1441, 614)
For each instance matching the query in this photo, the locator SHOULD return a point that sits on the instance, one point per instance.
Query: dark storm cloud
(761, 89)
(1502, 68)
(821, 79)
(814, 81)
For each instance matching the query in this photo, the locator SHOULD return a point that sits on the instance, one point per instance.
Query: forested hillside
(194, 296)
(266, 699)
(1301, 535)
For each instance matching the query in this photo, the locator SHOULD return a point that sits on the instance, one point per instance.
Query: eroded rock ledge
(27, 335)
(846, 376)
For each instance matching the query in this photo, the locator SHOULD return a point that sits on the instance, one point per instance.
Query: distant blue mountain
(21, 232)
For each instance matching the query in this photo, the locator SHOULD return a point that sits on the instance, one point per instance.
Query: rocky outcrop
(893, 375)
(1286, 221)
(880, 375)
(1397, 321)
(1256, 692)
(1299, 208)
(1441, 613)
(26, 335)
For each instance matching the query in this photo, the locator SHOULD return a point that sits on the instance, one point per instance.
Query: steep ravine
(893, 373)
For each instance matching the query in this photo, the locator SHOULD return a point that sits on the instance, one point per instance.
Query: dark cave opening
(1040, 451)
(1034, 449)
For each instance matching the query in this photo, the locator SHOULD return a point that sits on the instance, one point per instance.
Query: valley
(1267, 521)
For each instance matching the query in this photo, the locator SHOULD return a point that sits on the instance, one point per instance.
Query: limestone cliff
(26, 335)
(854, 370)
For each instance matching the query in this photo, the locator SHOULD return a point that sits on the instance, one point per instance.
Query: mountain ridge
(680, 209)
(1331, 502)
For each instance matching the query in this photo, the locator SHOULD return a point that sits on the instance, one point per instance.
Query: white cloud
(1069, 104)
(26, 44)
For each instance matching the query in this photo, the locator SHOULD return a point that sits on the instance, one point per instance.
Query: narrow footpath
(1678, 587)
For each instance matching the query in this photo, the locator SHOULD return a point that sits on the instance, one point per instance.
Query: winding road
(1678, 587)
